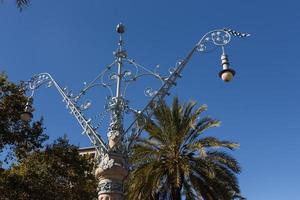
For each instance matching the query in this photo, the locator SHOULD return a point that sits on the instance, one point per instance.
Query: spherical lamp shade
(227, 75)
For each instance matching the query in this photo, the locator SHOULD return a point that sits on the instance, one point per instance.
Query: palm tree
(21, 4)
(173, 161)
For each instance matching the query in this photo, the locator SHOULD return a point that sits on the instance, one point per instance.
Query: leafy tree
(58, 172)
(16, 136)
(174, 161)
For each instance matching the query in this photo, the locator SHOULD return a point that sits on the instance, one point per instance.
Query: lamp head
(27, 115)
(226, 74)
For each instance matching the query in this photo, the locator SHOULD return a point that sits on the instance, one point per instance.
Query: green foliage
(174, 160)
(16, 136)
(55, 172)
(58, 172)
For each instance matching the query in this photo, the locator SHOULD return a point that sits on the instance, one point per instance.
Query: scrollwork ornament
(220, 38)
(106, 162)
(129, 75)
(172, 70)
(112, 134)
(86, 105)
(150, 92)
(109, 186)
(117, 107)
(141, 71)
(38, 80)
(213, 39)
(50, 83)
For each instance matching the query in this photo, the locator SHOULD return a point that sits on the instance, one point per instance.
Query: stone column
(111, 176)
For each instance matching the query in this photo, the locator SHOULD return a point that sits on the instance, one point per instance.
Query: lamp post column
(111, 175)
(112, 172)
(111, 179)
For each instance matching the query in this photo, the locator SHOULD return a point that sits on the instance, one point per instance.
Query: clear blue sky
(74, 39)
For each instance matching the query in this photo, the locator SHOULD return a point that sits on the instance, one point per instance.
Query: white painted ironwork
(117, 80)
(217, 38)
(95, 138)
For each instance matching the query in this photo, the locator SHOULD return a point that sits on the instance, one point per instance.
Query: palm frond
(212, 142)
(189, 191)
(201, 126)
(22, 4)
(225, 160)
(173, 159)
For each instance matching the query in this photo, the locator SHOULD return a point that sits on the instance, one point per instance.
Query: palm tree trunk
(176, 193)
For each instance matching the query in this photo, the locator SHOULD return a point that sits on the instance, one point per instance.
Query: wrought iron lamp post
(111, 158)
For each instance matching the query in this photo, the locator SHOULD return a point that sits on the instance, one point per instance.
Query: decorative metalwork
(236, 33)
(108, 186)
(117, 77)
(217, 38)
(212, 40)
(95, 138)
(141, 71)
(117, 105)
(106, 162)
(131, 74)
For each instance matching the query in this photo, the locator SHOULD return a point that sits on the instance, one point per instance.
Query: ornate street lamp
(111, 158)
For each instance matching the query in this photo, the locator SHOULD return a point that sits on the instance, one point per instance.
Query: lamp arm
(216, 38)
(40, 79)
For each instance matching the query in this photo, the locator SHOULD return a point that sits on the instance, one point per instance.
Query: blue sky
(73, 40)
